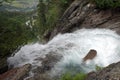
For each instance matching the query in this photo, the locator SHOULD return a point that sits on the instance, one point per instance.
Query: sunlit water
(73, 46)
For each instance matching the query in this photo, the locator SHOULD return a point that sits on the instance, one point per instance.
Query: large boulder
(16, 73)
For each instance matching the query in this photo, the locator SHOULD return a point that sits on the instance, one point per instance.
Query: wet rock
(40, 77)
(16, 73)
(112, 72)
(91, 54)
(49, 61)
(43, 72)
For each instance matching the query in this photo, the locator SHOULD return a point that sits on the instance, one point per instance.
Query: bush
(103, 4)
(13, 32)
(78, 76)
(98, 68)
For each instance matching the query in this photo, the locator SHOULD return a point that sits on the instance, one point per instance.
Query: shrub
(98, 68)
(13, 32)
(103, 4)
(78, 76)
(49, 12)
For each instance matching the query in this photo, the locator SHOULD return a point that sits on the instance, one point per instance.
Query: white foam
(74, 46)
(26, 55)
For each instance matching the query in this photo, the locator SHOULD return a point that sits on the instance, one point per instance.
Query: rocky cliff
(83, 14)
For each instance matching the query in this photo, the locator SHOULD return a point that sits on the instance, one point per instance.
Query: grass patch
(78, 76)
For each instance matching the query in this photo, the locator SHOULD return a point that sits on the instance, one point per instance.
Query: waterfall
(73, 47)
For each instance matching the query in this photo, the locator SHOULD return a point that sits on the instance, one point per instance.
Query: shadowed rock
(16, 73)
(3, 65)
(91, 54)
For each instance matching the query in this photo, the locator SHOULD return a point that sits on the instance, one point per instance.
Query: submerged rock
(42, 73)
(16, 73)
(50, 60)
(91, 54)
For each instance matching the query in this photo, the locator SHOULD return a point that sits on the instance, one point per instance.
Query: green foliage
(49, 12)
(103, 4)
(78, 76)
(7, 0)
(13, 32)
(64, 1)
(1, 1)
(66, 76)
(41, 16)
(98, 68)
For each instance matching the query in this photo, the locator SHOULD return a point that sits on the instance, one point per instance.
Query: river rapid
(73, 47)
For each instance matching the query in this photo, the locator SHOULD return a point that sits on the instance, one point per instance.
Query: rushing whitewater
(73, 46)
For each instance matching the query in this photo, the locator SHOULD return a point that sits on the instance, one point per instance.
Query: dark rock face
(91, 54)
(112, 72)
(16, 73)
(72, 17)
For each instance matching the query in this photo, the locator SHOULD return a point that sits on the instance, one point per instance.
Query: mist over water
(74, 47)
